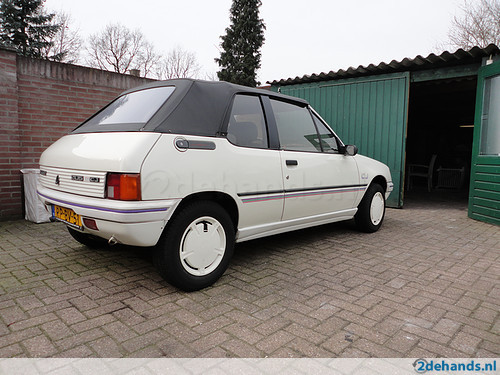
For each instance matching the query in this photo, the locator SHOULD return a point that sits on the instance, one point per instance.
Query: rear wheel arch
(222, 199)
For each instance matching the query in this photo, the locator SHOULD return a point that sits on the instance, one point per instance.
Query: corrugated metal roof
(460, 57)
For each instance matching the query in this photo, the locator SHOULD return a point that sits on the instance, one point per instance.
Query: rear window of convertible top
(128, 112)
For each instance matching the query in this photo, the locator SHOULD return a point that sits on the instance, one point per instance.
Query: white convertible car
(191, 167)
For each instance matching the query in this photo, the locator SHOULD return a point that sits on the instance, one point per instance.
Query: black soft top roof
(195, 107)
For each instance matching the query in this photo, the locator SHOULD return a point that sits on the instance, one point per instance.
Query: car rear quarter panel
(170, 173)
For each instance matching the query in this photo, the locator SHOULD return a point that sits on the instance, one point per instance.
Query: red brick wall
(39, 102)
(10, 163)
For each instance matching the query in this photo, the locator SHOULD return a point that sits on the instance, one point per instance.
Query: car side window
(296, 128)
(328, 140)
(247, 126)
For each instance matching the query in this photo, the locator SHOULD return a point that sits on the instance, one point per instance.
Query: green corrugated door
(370, 112)
(484, 194)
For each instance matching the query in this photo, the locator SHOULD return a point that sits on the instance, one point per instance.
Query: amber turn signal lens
(124, 186)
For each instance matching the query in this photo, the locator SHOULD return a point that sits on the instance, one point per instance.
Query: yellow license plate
(67, 216)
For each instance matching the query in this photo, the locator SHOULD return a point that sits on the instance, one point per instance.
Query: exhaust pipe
(112, 241)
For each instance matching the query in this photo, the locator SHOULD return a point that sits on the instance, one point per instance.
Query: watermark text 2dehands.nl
(450, 365)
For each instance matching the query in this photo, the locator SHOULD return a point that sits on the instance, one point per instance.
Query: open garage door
(368, 112)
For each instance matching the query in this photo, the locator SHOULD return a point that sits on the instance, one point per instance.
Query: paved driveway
(426, 285)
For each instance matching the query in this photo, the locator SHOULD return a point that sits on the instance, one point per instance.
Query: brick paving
(425, 285)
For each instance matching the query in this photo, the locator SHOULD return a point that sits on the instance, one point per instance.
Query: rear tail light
(124, 186)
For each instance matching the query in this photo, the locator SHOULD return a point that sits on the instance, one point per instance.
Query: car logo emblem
(57, 180)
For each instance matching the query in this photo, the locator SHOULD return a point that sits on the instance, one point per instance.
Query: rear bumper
(136, 223)
(134, 234)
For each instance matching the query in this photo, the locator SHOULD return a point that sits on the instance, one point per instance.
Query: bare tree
(148, 59)
(478, 25)
(66, 44)
(116, 48)
(178, 63)
(119, 49)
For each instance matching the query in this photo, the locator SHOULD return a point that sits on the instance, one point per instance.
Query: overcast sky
(302, 36)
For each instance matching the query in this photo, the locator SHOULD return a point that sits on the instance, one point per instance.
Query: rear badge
(57, 180)
(82, 178)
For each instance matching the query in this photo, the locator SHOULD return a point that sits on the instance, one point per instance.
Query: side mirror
(349, 150)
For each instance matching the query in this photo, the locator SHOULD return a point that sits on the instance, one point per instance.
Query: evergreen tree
(240, 58)
(25, 27)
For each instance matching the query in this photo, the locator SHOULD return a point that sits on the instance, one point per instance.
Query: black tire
(371, 209)
(180, 257)
(88, 240)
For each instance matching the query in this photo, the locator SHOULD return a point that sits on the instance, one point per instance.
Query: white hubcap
(377, 208)
(202, 246)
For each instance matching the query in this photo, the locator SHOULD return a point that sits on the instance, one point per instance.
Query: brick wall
(10, 160)
(39, 102)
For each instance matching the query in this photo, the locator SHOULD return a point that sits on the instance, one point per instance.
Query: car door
(319, 181)
(254, 166)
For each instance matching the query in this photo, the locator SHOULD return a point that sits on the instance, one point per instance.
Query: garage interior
(440, 123)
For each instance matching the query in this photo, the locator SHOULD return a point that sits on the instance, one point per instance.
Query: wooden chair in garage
(421, 171)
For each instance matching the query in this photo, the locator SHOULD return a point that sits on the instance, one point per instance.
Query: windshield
(128, 112)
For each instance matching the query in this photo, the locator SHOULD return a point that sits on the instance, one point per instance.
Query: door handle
(292, 162)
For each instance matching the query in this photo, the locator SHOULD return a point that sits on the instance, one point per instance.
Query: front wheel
(371, 209)
(196, 247)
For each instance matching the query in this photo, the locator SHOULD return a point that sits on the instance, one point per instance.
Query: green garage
(433, 120)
